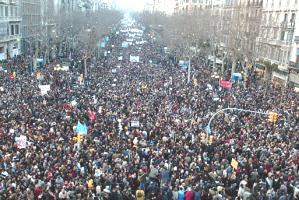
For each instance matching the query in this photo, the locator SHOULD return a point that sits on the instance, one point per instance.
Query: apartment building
(191, 5)
(31, 25)
(278, 42)
(165, 6)
(9, 28)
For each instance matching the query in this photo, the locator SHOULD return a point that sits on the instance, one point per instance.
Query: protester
(143, 124)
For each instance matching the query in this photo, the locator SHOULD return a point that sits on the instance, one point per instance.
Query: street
(129, 122)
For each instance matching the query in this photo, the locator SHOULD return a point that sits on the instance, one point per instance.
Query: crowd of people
(144, 126)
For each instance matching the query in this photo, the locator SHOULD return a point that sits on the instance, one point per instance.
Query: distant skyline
(130, 5)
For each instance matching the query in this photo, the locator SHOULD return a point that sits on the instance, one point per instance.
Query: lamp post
(189, 69)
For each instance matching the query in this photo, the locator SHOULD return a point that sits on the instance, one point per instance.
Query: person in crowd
(132, 130)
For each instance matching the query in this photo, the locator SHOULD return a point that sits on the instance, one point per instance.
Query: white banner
(134, 58)
(44, 89)
(21, 142)
(135, 124)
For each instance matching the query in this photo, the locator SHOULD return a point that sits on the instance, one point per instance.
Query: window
(293, 18)
(282, 35)
(6, 11)
(290, 36)
(12, 29)
(1, 11)
(17, 29)
(285, 17)
(11, 12)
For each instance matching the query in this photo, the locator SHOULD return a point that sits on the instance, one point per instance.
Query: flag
(91, 116)
(234, 164)
(225, 84)
(81, 128)
(102, 45)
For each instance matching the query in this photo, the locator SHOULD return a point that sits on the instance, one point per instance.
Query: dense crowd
(144, 124)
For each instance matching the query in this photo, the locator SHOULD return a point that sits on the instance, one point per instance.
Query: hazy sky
(136, 5)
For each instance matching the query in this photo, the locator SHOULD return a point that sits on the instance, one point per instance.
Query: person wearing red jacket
(189, 194)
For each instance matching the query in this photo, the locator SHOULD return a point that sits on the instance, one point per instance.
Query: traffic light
(211, 139)
(272, 117)
(202, 137)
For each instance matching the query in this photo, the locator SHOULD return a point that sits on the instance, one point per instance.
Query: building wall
(165, 6)
(9, 29)
(277, 36)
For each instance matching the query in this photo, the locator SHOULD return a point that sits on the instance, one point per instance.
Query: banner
(225, 84)
(44, 89)
(81, 128)
(102, 45)
(15, 52)
(40, 62)
(236, 77)
(135, 124)
(21, 142)
(91, 116)
(2, 56)
(184, 64)
(125, 45)
(134, 58)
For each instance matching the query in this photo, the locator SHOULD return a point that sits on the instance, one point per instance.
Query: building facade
(191, 5)
(165, 6)
(278, 43)
(31, 25)
(9, 28)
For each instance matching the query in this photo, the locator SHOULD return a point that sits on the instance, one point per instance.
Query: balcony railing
(9, 37)
(11, 18)
(13, 1)
(288, 25)
(14, 18)
(3, 1)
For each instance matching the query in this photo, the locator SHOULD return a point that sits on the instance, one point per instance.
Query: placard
(135, 124)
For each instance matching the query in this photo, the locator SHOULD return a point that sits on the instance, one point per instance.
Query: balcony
(14, 2)
(3, 1)
(7, 38)
(288, 25)
(14, 19)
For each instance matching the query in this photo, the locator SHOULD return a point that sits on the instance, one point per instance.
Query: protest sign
(21, 142)
(225, 84)
(44, 89)
(134, 58)
(135, 124)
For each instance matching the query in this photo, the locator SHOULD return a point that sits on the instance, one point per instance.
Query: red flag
(91, 115)
(225, 84)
